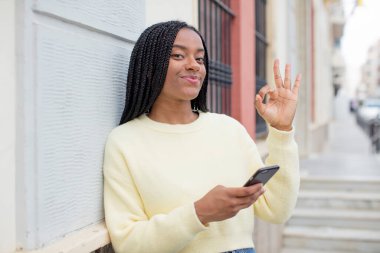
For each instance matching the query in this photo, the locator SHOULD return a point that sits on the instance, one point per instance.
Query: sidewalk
(338, 206)
(347, 153)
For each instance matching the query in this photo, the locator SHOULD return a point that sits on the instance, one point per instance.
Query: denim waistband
(246, 250)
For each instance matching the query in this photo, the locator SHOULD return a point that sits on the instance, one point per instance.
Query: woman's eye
(177, 56)
(201, 60)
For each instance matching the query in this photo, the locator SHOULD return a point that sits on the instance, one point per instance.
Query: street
(348, 151)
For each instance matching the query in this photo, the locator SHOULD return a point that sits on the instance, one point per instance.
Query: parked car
(368, 112)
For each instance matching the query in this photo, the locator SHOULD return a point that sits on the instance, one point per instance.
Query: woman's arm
(279, 199)
(278, 111)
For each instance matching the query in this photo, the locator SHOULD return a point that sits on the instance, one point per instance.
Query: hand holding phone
(262, 175)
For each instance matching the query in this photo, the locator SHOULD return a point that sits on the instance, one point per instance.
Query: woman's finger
(287, 81)
(277, 74)
(264, 90)
(248, 201)
(242, 192)
(297, 84)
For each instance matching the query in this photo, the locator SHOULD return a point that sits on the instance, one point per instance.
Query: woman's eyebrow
(185, 48)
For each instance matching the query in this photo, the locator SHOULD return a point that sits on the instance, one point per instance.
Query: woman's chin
(190, 95)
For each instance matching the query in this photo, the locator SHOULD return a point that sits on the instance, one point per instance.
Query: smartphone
(262, 175)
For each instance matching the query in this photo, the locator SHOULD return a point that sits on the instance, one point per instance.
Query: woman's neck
(179, 113)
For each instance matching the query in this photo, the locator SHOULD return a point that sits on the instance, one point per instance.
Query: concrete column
(8, 126)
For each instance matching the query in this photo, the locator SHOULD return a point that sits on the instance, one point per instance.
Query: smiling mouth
(192, 79)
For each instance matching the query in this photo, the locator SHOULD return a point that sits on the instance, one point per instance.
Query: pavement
(347, 153)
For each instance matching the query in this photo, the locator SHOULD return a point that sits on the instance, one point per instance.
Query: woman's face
(186, 70)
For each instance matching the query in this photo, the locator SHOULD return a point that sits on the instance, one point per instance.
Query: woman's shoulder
(224, 120)
(123, 131)
(228, 127)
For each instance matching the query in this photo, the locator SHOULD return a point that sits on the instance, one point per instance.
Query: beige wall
(8, 126)
(323, 87)
(164, 10)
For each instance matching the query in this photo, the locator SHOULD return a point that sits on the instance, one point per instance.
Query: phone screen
(262, 175)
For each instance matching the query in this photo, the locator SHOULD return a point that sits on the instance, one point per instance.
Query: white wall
(7, 126)
(323, 66)
(277, 25)
(165, 10)
(303, 115)
(72, 69)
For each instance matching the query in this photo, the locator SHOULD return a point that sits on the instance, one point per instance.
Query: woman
(174, 172)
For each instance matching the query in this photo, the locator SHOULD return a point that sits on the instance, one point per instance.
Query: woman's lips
(191, 79)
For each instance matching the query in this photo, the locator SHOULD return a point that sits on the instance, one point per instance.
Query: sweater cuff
(190, 219)
(279, 137)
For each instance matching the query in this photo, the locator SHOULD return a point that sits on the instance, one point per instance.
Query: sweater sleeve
(130, 229)
(278, 201)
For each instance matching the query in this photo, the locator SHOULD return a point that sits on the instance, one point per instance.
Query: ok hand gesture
(280, 108)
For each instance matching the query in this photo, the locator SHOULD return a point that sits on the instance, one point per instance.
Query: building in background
(64, 91)
(337, 20)
(370, 85)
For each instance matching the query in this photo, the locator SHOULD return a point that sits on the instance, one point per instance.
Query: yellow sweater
(154, 172)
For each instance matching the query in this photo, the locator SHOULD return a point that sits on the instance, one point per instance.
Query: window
(215, 18)
(261, 48)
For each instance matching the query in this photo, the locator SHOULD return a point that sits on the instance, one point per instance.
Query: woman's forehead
(188, 38)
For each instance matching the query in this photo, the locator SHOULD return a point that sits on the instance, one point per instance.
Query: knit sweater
(154, 172)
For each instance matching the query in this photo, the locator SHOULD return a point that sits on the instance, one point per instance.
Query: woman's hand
(280, 108)
(222, 203)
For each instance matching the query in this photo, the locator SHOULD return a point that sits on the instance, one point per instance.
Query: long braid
(154, 67)
(148, 67)
(200, 102)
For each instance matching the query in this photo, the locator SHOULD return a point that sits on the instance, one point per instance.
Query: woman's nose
(192, 64)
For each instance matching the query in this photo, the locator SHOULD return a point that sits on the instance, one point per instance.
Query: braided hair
(148, 67)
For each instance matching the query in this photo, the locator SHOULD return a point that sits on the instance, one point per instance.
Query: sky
(360, 32)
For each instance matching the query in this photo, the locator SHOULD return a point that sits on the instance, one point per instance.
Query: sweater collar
(173, 128)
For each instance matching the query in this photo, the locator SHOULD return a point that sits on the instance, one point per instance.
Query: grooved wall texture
(121, 18)
(82, 50)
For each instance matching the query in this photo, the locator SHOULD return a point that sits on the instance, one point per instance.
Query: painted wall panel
(72, 65)
(7, 126)
(113, 16)
(80, 93)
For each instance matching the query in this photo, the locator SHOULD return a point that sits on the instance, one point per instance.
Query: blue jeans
(246, 250)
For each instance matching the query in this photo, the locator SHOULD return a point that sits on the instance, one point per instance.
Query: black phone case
(262, 175)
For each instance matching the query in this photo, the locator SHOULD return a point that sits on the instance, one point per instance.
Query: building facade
(64, 75)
